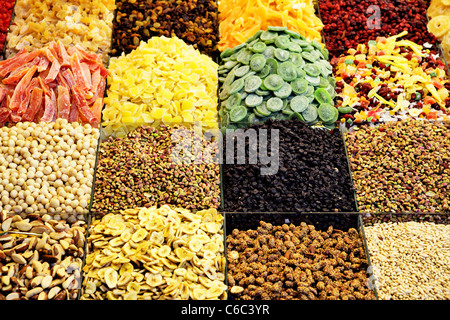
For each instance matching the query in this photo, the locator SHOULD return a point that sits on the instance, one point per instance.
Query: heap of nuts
(155, 167)
(194, 21)
(156, 254)
(44, 266)
(47, 167)
(401, 166)
(286, 262)
(410, 260)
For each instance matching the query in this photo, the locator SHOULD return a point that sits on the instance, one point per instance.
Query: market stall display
(410, 259)
(156, 253)
(309, 170)
(348, 23)
(164, 81)
(401, 166)
(224, 150)
(277, 74)
(37, 23)
(153, 166)
(194, 21)
(391, 79)
(239, 20)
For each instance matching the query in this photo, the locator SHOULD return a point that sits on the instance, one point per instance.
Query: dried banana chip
(164, 251)
(139, 235)
(154, 280)
(134, 287)
(111, 276)
(195, 245)
(124, 279)
(199, 293)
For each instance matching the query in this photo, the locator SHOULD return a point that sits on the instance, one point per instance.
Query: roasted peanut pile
(156, 254)
(45, 267)
(296, 262)
(410, 260)
(155, 167)
(401, 166)
(47, 167)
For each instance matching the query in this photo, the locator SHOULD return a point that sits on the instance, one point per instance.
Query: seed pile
(350, 22)
(401, 166)
(410, 260)
(163, 80)
(279, 74)
(46, 267)
(156, 254)
(194, 21)
(277, 262)
(47, 167)
(155, 167)
(312, 176)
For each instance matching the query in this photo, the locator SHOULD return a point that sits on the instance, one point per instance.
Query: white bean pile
(47, 167)
(411, 260)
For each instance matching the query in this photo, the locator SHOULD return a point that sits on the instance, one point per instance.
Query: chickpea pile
(47, 167)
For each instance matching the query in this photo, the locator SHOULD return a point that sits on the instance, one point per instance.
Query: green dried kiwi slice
(229, 79)
(301, 42)
(257, 62)
(253, 100)
(253, 119)
(325, 53)
(282, 42)
(273, 65)
(229, 64)
(281, 54)
(281, 116)
(323, 83)
(254, 37)
(287, 110)
(331, 90)
(310, 114)
(224, 93)
(308, 48)
(238, 113)
(269, 52)
(262, 110)
(296, 115)
(221, 79)
(257, 113)
(244, 56)
(330, 125)
(294, 47)
(299, 86)
(265, 71)
(332, 81)
(316, 44)
(299, 103)
(312, 70)
(293, 34)
(252, 83)
(273, 82)
(310, 92)
(258, 47)
(241, 71)
(268, 36)
(233, 100)
(301, 73)
(287, 71)
(274, 104)
(308, 56)
(250, 74)
(236, 86)
(276, 28)
(322, 96)
(262, 93)
(313, 80)
(327, 113)
(226, 53)
(284, 92)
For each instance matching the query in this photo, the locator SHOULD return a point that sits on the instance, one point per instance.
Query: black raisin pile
(313, 173)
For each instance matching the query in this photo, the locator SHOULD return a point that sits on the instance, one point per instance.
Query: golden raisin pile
(296, 262)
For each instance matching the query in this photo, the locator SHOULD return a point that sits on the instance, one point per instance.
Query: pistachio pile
(45, 267)
(148, 167)
(401, 166)
(156, 254)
